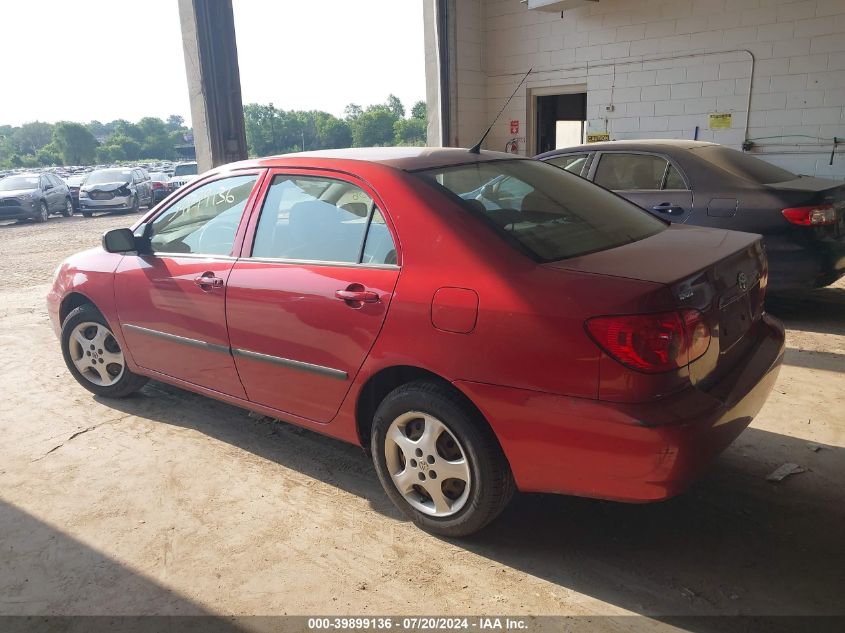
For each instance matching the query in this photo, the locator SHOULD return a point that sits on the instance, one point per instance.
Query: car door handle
(355, 294)
(207, 281)
(668, 207)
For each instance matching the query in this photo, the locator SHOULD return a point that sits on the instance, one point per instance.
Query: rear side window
(573, 163)
(627, 172)
(743, 166)
(322, 219)
(543, 210)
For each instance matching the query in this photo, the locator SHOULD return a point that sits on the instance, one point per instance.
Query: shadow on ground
(734, 544)
(821, 310)
(36, 563)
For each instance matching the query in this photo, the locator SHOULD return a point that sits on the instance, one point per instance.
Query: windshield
(744, 166)
(108, 175)
(13, 183)
(547, 211)
(189, 169)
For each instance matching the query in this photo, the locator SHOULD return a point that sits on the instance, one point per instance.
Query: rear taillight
(811, 216)
(652, 343)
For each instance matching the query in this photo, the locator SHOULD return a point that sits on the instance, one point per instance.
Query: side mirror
(119, 241)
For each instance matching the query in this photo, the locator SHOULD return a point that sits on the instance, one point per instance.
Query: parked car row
(481, 322)
(36, 196)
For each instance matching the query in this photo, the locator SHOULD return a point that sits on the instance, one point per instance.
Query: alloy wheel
(96, 354)
(427, 464)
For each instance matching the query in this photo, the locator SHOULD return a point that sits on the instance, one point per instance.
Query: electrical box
(557, 6)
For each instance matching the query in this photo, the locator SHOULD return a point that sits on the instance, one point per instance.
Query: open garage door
(559, 119)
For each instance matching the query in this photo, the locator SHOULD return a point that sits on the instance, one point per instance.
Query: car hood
(106, 186)
(679, 251)
(16, 192)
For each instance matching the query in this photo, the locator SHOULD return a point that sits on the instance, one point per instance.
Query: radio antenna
(476, 149)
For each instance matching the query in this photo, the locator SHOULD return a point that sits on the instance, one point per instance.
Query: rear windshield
(546, 211)
(108, 175)
(744, 166)
(188, 169)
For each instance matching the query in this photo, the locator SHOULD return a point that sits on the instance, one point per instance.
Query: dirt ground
(170, 503)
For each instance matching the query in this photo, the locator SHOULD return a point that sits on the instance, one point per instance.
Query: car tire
(136, 204)
(93, 355)
(67, 211)
(43, 212)
(87, 214)
(422, 426)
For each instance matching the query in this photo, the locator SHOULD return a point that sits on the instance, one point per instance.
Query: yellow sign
(597, 137)
(721, 121)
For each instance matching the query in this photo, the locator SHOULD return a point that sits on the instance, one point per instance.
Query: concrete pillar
(214, 82)
(440, 71)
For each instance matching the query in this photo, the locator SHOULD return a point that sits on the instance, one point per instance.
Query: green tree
(121, 127)
(175, 122)
(409, 132)
(49, 155)
(352, 111)
(74, 142)
(332, 132)
(420, 111)
(30, 137)
(395, 106)
(374, 127)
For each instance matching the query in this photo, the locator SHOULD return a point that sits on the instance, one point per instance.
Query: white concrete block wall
(664, 66)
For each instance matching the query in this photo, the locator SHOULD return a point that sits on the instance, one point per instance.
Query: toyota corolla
(479, 322)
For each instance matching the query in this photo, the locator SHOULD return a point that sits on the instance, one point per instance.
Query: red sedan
(481, 322)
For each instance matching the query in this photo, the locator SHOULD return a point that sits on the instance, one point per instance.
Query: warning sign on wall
(514, 127)
(597, 137)
(721, 121)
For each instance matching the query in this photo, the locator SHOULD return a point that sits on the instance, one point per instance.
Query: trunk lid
(720, 273)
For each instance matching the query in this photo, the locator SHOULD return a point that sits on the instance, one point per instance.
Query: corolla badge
(742, 281)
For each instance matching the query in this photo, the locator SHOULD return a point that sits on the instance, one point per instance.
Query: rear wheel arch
(389, 378)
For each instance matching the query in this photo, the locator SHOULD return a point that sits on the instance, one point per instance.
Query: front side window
(560, 215)
(322, 219)
(204, 221)
(630, 172)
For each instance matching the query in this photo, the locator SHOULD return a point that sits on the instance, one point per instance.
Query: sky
(115, 59)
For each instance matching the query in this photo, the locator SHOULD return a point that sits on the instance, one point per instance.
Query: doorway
(559, 119)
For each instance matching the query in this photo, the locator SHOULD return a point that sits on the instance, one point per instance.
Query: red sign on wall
(514, 127)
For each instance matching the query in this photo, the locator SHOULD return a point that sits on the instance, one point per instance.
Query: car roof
(405, 158)
(633, 144)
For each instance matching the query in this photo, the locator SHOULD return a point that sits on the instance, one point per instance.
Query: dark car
(116, 189)
(802, 219)
(159, 181)
(537, 342)
(34, 197)
(74, 183)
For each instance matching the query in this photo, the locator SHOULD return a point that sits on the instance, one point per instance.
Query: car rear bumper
(794, 266)
(627, 452)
